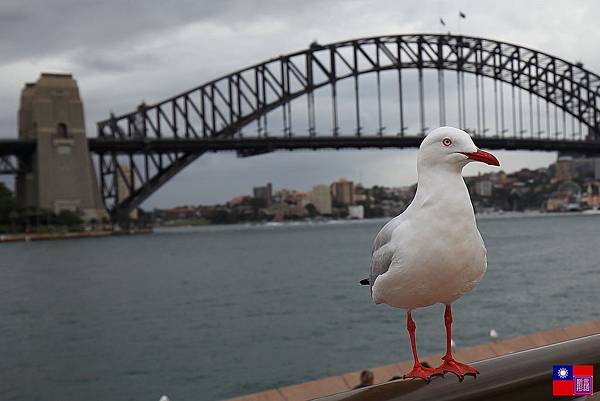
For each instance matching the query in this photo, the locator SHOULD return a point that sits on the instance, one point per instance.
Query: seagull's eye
(446, 141)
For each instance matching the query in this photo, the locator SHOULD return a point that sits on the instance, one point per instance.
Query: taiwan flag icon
(569, 380)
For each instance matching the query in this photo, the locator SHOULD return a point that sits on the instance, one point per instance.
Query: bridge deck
(257, 145)
(16, 147)
(337, 384)
(268, 144)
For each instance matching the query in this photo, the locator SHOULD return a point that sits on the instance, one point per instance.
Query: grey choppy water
(215, 312)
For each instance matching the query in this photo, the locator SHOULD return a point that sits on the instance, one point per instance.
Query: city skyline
(117, 70)
(566, 169)
(569, 185)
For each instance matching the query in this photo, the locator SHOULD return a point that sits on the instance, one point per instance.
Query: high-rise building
(565, 168)
(597, 168)
(342, 192)
(320, 197)
(265, 193)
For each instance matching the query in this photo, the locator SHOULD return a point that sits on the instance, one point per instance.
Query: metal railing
(524, 375)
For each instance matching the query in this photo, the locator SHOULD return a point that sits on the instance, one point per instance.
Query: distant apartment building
(592, 195)
(264, 193)
(597, 168)
(289, 203)
(565, 168)
(356, 212)
(498, 179)
(484, 188)
(296, 202)
(238, 200)
(320, 197)
(589, 168)
(360, 193)
(342, 192)
(183, 212)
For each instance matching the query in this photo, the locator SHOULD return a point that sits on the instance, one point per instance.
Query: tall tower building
(320, 197)
(342, 191)
(565, 168)
(264, 193)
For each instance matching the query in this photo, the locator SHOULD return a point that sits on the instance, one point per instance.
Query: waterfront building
(320, 197)
(565, 168)
(297, 202)
(264, 193)
(182, 212)
(596, 166)
(342, 192)
(238, 200)
(483, 188)
(289, 204)
(498, 179)
(566, 198)
(356, 212)
(360, 193)
(592, 194)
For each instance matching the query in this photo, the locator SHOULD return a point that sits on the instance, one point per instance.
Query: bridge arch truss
(132, 166)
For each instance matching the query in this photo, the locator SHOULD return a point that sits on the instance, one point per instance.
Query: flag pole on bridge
(443, 24)
(461, 15)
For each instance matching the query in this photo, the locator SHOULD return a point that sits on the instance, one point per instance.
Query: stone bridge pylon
(61, 175)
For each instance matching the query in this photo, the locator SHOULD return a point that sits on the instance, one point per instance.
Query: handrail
(524, 375)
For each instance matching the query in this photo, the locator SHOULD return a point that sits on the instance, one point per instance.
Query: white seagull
(433, 252)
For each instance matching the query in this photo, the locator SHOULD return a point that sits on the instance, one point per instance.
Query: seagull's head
(451, 148)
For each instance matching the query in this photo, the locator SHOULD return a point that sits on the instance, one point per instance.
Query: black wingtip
(364, 281)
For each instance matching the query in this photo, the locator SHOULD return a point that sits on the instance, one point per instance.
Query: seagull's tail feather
(365, 281)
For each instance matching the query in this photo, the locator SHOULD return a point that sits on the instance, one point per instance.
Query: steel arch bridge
(349, 88)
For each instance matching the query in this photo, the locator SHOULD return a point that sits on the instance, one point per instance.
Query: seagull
(433, 252)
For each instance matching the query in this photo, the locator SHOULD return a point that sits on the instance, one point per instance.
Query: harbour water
(212, 312)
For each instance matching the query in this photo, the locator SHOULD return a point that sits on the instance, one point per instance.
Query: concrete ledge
(336, 384)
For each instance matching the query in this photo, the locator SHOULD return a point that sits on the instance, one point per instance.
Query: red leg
(450, 364)
(418, 370)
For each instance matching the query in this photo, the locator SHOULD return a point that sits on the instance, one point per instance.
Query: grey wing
(380, 263)
(382, 252)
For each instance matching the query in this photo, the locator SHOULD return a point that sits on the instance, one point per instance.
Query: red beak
(482, 156)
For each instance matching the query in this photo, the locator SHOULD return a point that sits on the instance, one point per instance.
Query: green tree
(68, 218)
(7, 204)
(311, 210)
(220, 216)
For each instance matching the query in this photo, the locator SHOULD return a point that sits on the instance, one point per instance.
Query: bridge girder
(9, 165)
(256, 146)
(15, 156)
(221, 108)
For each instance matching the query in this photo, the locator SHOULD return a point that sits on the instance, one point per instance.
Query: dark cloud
(123, 52)
(58, 26)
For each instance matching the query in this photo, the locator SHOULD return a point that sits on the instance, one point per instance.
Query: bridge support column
(62, 175)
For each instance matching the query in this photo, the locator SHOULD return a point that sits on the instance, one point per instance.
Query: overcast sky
(123, 52)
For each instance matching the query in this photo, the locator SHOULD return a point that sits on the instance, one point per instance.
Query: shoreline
(26, 237)
(309, 222)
